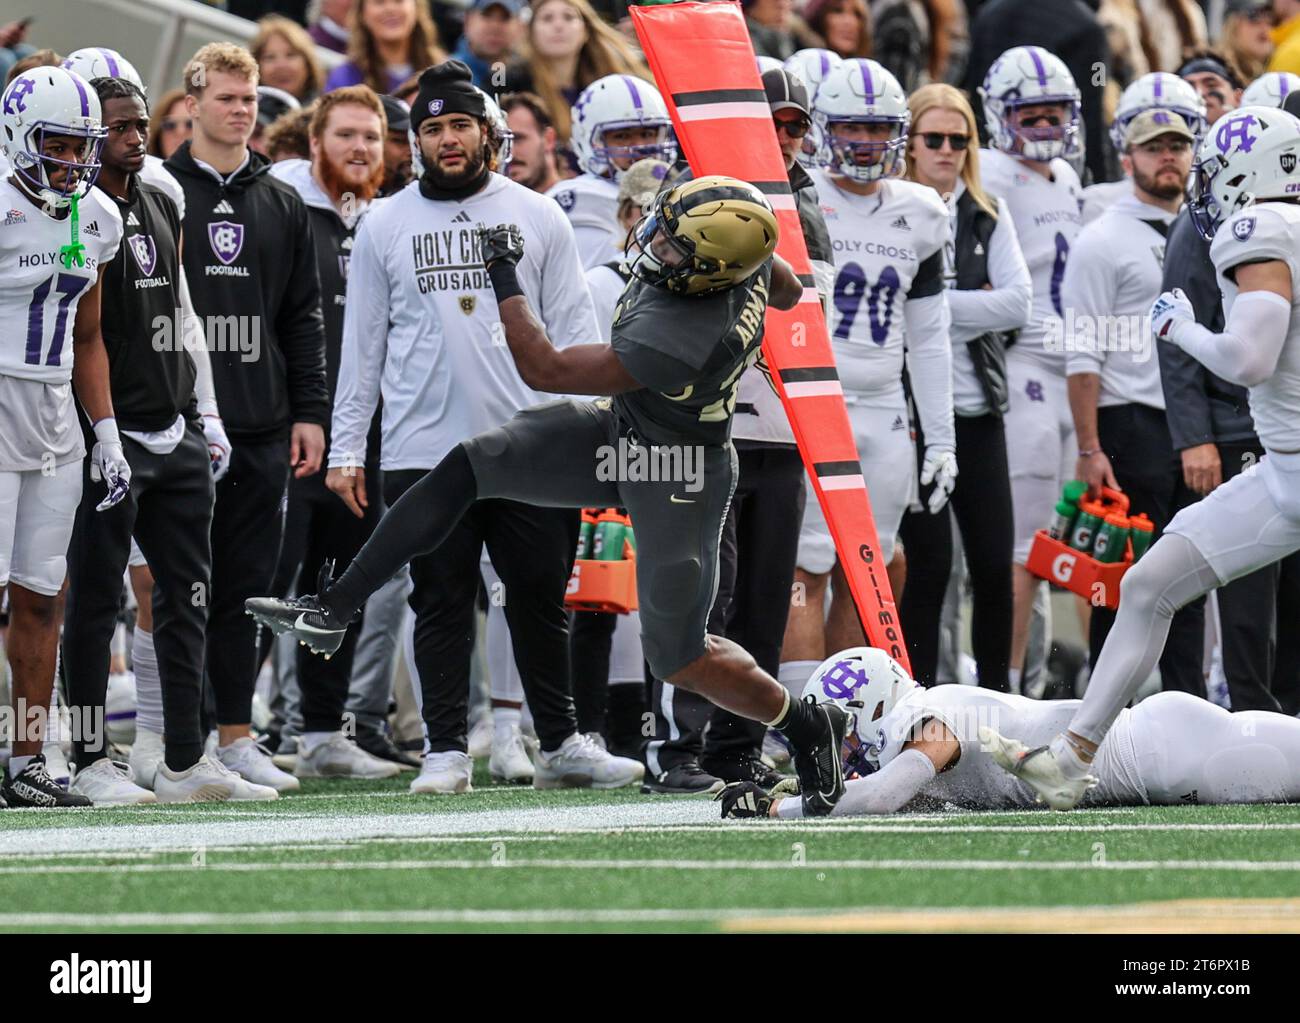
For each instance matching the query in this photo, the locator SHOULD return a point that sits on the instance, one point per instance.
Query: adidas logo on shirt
(131, 220)
(898, 424)
(900, 224)
(223, 207)
(92, 229)
(461, 218)
(979, 249)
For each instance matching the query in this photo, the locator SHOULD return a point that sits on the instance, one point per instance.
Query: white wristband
(106, 431)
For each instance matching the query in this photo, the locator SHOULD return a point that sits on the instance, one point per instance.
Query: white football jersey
(591, 204)
(605, 284)
(38, 294)
(1047, 217)
(1267, 231)
(879, 241)
(1098, 198)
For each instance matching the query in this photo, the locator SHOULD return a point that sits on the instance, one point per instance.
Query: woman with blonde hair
(389, 40)
(567, 48)
(989, 295)
(286, 58)
(1247, 36)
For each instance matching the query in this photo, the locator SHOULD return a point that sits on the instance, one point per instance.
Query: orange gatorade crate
(1079, 573)
(602, 586)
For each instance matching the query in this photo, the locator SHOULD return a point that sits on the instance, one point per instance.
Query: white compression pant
(36, 517)
(1251, 521)
(1190, 751)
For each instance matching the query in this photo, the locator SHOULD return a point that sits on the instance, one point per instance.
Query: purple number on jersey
(69, 286)
(851, 287)
(1058, 271)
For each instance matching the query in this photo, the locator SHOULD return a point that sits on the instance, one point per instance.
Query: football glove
(1168, 312)
(939, 468)
(214, 432)
(744, 799)
(108, 463)
(501, 243)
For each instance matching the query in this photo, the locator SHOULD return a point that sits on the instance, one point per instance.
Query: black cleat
(33, 787)
(312, 624)
(743, 768)
(820, 767)
(378, 744)
(744, 799)
(682, 779)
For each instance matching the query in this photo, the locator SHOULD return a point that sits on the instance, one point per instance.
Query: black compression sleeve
(505, 282)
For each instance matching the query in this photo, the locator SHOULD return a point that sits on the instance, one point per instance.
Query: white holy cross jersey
(1267, 231)
(38, 294)
(880, 242)
(1047, 218)
(591, 204)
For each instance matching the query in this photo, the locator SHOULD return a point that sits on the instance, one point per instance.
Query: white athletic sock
(504, 721)
(1072, 765)
(17, 765)
(308, 741)
(794, 675)
(1013, 678)
(148, 684)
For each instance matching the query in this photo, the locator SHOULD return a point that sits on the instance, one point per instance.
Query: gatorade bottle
(1062, 521)
(629, 539)
(585, 531)
(1108, 547)
(1089, 520)
(609, 530)
(1141, 529)
(1074, 492)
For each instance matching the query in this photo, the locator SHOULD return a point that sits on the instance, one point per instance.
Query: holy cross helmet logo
(16, 99)
(843, 679)
(227, 239)
(1235, 133)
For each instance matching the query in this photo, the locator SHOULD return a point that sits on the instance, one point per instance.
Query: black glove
(502, 243)
(743, 799)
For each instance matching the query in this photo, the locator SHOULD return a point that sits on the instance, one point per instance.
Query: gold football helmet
(705, 235)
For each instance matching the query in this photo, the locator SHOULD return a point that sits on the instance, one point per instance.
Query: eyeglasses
(934, 140)
(172, 123)
(1174, 147)
(796, 129)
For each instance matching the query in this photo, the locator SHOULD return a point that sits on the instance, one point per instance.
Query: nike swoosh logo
(679, 500)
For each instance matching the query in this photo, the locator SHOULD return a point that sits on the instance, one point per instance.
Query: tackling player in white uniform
(1031, 107)
(912, 745)
(56, 234)
(1246, 179)
(888, 299)
(1156, 91)
(618, 120)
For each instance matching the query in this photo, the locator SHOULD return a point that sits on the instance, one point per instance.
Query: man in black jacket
(1068, 28)
(252, 272)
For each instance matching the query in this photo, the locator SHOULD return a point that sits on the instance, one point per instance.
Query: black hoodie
(249, 253)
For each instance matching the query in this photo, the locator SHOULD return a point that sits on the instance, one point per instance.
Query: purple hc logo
(842, 680)
(1235, 133)
(1034, 390)
(16, 100)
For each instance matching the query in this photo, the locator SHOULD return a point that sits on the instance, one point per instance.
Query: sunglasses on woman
(172, 123)
(934, 140)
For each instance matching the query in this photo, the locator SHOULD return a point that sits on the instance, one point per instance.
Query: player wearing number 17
(56, 235)
(684, 330)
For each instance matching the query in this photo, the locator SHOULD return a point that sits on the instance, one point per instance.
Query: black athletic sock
(801, 724)
(181, 756)
(417, 524)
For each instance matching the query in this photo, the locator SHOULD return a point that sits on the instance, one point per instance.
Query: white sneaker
(146, 755)
(106, 784)
(1038, 768)
(446, 773)
(580, 763)
(338, 758)
(480, 738)
(206, 782)
(509, 762)
(252, 763)
(286, 755)
(245, 790)
(774, 749)
(56, 764)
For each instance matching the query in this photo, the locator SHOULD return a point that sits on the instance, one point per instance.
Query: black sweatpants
(760, 541)
(247, 528)
(1136, 440)
(1257, 616)
(981, 504)
(169, 509)
(318, 527)
(532, 551)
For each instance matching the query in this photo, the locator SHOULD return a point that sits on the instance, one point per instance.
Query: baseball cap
(642, 182)
(397, 113)
(1151, 124)
(1246, 6)
(785, 92)
(513, 7)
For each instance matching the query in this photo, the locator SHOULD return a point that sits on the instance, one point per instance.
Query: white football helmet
(46, 102)
(1158, 91)
(1270, 89)
(866, 683)
(1025, 76)
(93, 62)
(503, 139)
(613, 102)
(860, 91)
(811, 67)
(1251, 154)
(766, 64)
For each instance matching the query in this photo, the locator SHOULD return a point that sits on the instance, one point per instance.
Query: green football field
(346, 856)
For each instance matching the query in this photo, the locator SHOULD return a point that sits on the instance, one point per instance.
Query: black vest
(975, 227)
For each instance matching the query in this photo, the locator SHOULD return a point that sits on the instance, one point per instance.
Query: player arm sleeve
(1247, 351)
(363, 352)
(1088, 290)
(929, 361)
(300, 325)
(205, 391)
(1007, 303)
(887, 791)
(1182, 378)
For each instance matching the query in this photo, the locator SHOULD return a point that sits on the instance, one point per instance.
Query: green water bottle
(1074, 492)
(1062, 521)
(1086, 523)
(609, 536)
(1141, 530)
(1108, 547)
(585, 531)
